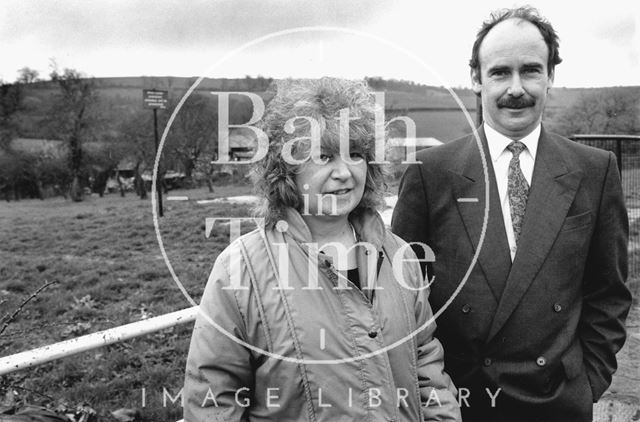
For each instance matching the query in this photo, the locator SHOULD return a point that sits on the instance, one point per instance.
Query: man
(533, 332)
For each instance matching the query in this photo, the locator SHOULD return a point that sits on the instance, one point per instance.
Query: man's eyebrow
(535, 66)
(498, 68)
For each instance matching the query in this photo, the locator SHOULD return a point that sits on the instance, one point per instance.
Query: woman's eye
(356, 155)
(326, 157)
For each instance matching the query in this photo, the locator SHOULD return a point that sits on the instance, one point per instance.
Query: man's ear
(476, 85)
(552, 74)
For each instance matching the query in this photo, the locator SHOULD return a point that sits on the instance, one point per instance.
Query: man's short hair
(526, 13)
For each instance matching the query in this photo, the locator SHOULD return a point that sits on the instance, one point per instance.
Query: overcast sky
(425, 41)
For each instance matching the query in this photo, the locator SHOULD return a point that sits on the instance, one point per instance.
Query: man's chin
(517, 117)
(515, 125)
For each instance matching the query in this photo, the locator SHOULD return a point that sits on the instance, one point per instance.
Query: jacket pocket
(577, 221)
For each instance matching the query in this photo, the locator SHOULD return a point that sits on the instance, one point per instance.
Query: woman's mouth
(339, 192)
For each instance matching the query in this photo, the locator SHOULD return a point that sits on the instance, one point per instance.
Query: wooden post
(158, 187)
(155, 99)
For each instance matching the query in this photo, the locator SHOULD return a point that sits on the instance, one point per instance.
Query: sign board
(153, 98)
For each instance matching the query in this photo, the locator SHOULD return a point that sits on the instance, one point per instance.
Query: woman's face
(333, 188)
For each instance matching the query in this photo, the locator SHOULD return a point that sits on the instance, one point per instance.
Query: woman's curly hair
(321, 100)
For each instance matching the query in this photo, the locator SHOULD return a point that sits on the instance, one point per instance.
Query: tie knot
(516, 147)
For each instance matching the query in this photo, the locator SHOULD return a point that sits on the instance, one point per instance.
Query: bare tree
(73, 117)
(26, 75)
(136, 131)
(613, 111)
(193, 135)
(103, 159)
(11, 97)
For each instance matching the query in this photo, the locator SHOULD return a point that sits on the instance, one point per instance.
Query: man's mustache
(516, 103)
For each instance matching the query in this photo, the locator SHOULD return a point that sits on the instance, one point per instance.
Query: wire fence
(627, 151)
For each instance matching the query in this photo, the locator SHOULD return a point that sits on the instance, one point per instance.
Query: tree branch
(22, 305)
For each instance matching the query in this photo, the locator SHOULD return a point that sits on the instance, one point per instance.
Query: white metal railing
(93, 341)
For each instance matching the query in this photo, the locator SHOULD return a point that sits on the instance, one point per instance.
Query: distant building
(242, 146)
(127, 166)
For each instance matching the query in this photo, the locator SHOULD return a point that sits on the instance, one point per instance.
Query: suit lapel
(552, 191)
(469, 183)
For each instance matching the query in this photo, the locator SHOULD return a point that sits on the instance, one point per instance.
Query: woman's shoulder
(233, 266)
(243, 251)
(249, 241)
(394, 241)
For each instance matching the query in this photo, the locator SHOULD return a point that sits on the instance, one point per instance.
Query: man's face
(514, 79)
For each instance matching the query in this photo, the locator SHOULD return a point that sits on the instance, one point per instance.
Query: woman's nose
(340, 169)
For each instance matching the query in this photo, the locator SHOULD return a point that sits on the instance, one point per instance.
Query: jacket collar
(368, 225)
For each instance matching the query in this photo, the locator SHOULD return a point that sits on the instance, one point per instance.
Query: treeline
(610, 111)
(90, 134)
(378, 83)
(96, 124)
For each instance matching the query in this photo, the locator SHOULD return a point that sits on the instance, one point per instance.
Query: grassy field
(104, 257)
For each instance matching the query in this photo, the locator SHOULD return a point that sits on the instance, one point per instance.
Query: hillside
(434, 110)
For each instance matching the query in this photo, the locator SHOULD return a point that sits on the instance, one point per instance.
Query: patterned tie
(518, 188)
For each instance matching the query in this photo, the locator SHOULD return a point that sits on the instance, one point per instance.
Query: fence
(627, 151)
(92, 341)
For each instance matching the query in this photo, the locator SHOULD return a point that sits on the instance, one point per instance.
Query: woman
(307, 319)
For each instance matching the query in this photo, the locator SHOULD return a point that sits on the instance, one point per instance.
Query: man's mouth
(516, 104)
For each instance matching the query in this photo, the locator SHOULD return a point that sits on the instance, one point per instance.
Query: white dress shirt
(501, 156)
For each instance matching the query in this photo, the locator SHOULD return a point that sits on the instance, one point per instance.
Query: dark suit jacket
(545, 328)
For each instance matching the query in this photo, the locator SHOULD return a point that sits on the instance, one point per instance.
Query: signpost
(155, 99)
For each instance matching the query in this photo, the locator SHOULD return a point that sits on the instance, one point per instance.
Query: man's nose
(515, 88)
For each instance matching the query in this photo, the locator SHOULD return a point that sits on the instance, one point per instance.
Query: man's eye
(499, 73)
